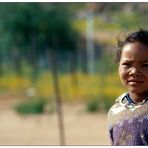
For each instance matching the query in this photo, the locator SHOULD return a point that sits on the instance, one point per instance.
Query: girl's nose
(134, 72)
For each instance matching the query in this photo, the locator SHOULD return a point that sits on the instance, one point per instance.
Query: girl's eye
(126, 64)
(145, 65)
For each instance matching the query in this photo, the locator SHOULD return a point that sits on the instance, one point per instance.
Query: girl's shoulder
(121, 110)
(117, 105)
(116, 112)
(118, 100)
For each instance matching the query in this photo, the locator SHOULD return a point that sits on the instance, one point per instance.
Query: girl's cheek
(122, 71)
(123, 75)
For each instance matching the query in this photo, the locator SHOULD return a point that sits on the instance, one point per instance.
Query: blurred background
(57, 74)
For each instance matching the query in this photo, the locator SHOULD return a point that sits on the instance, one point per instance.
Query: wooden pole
(53, 59)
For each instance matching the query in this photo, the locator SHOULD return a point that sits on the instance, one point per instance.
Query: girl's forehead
(135, 47)
(135, 50)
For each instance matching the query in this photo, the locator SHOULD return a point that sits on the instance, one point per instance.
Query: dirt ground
(81, 127)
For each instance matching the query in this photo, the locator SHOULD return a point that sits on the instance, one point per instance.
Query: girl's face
(133, 68)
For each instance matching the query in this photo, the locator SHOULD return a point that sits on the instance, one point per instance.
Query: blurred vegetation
(93, 105)
(44, 42)
(33, 106)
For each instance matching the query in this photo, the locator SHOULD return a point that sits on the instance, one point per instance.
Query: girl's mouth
(135, 82)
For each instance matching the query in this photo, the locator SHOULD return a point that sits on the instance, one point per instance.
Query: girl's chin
(137, 91)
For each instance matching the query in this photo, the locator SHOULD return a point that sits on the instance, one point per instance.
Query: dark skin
(133, 70)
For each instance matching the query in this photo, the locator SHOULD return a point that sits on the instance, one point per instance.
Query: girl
(128, 117)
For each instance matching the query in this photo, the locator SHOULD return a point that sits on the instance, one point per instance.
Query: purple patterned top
(128, 125)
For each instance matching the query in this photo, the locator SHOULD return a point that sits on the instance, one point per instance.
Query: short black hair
(139, 36)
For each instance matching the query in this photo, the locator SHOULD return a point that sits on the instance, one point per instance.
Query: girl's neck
(138, 97)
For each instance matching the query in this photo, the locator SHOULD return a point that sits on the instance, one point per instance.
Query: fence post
(53, 59)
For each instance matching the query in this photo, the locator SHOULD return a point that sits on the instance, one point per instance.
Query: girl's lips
(134, 82)
(137, 81)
